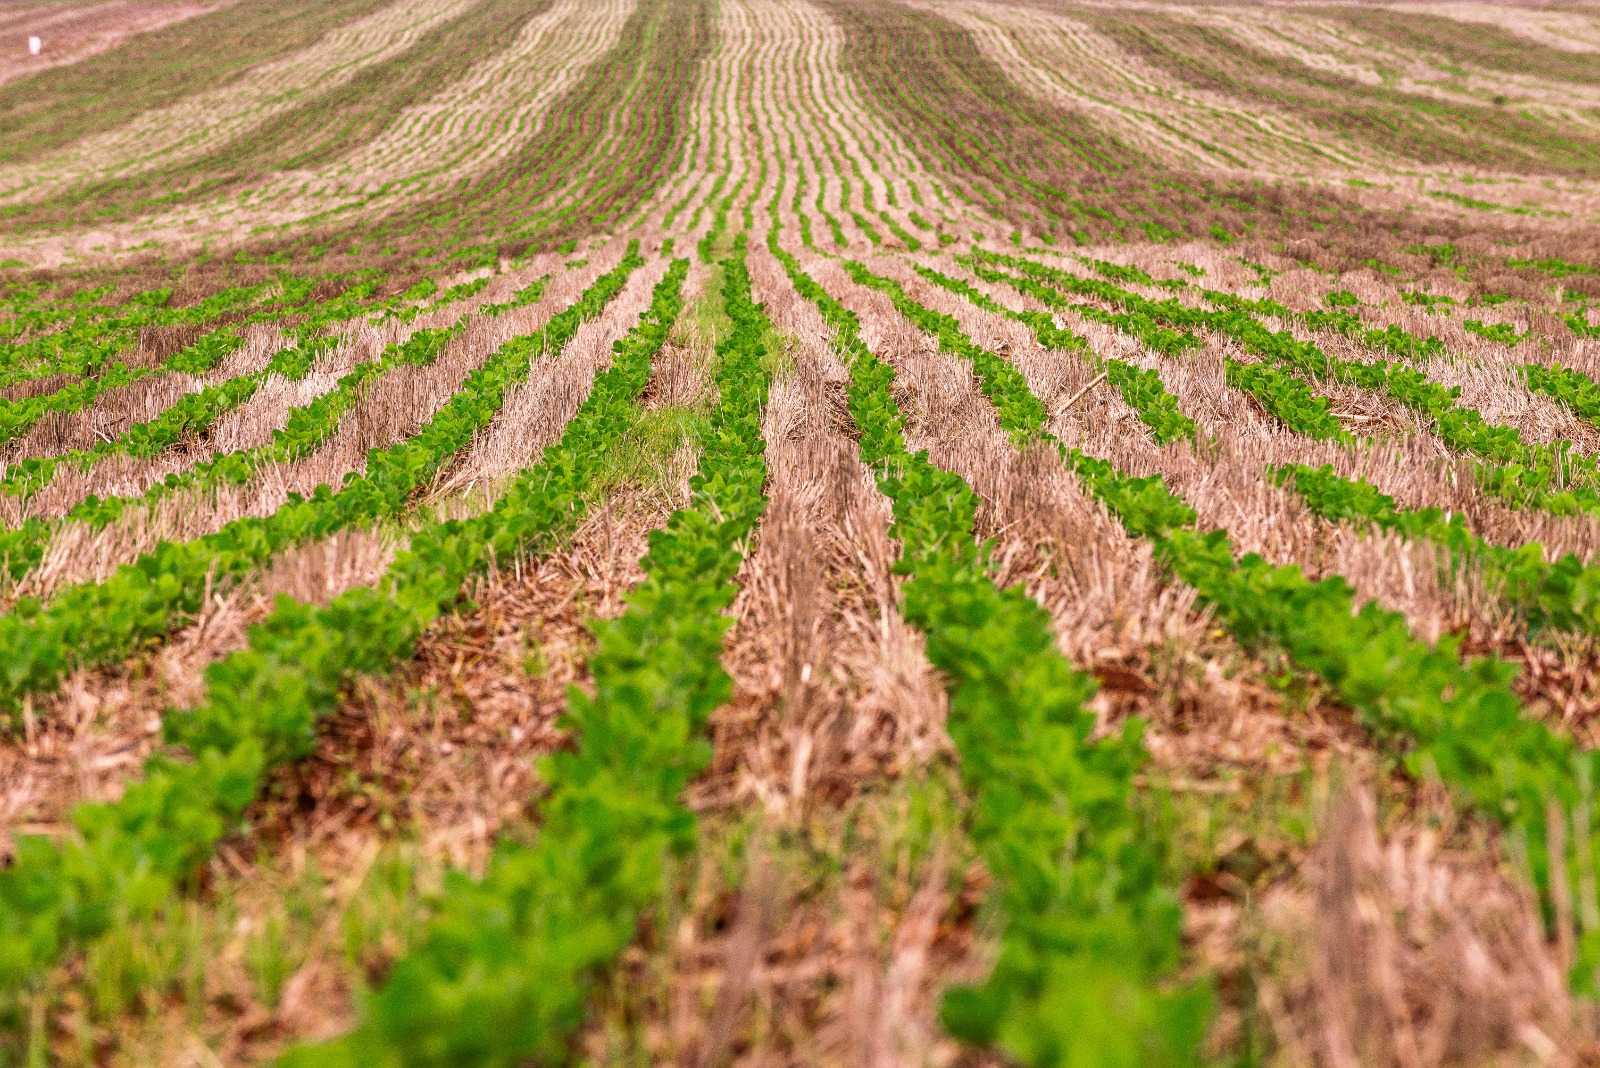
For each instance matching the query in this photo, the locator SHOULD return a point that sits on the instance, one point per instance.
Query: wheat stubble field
(799, 532)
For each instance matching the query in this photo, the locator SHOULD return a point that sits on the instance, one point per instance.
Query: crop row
(1141, 387)
(191, 414)
(102, 622)
(1564, 595)
(1550, 476)
(1578, 322)
(503, 972)
(1091, 923)
(25, 313)
(17, 416)
(308, 427)
(86, 345)
(128, 859)
(1450, 717)
(1574, 389)
(1339, 318)
(89, 348)
(22, 547)
(305, 428)
(1284, 394)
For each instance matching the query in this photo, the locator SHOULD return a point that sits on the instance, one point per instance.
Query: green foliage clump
(1554, 266)
(1504, 333)
(128, 858)
(1140, 387)
(1453, 717)
(1289, 397)
(504, 970)
(1091, 930)
(1550, 476)
(101, 622)
(1562, 596)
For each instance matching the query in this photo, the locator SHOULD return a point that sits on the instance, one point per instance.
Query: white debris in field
(35, 46)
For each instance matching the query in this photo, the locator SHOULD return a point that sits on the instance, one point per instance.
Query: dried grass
(536, 411)
(834, 701)
(1392, 951)
(821, 642)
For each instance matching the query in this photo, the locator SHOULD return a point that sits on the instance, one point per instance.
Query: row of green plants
(1132, 320)
(1503, 333)
(190, 415)
(1563, 595)
(129, 861)
(20, 415)
(1574, 389)
(1578, 322)
(27, 309)
(1141, 387)
(21, 295)
(708, 245)
(1091, 919)
(904, 236)
(1286, 395)
(194, 414)
(1340, 315)
(1391, 338)
(1446, 716)
(1554, 266)
(1135, 321)
(426, 296)
(296, 301)
(305, 429)
(98, 623)
(23, 546)
(309, 426)
(1340, 318)
(87, 344)
(1549, 476)
(503, 973)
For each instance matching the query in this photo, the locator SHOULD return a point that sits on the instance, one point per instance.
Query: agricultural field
(950, 533)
